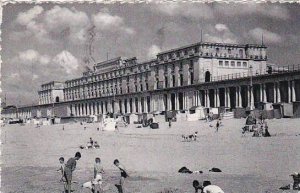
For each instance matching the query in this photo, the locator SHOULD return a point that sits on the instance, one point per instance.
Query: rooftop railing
(277, 70)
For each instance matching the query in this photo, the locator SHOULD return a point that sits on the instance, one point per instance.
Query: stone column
(289, 91)
(198, 98)
(252, 97)
(207, 98)
(83, 109)
(79, 109)
(139, 105)
(228, 97)
(218, 97)
(133, 105)
(275, 95)
(293, 91)
(240, 96)
(92, 108)
(264, 93)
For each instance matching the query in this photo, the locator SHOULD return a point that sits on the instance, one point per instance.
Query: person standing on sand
(217, 126)
(70, 168)
(124, 175)
(170, 123)
(62, 170)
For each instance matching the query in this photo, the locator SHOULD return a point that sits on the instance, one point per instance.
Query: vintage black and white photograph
(150, 97)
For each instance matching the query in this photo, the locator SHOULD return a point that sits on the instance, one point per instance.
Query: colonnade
(239, 96)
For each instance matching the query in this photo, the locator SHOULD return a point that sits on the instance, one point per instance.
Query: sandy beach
(152, 157)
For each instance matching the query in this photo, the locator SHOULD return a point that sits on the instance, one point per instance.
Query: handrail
(233, 76)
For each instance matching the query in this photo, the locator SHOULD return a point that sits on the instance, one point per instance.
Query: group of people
(95, 184)
(262, 130)
(90, 144)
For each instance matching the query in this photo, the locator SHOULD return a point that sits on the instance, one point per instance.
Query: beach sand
(153, 157)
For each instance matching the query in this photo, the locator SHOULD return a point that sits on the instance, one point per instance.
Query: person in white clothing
(207, 187)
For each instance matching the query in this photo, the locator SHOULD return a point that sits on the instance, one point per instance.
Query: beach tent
(108, 124)
(196, 113)
(93, 118)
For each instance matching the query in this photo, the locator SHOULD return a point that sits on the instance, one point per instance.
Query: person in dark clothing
(170, 123)
(70, 168)
(217, 126)
(124, 175)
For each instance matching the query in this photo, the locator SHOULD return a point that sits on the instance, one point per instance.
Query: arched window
(57, 99)
(241, 53)
(207, 76)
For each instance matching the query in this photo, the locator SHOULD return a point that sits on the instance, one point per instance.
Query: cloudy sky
(46, 42)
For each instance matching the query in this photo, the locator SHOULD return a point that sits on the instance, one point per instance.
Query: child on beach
(62, 170)
(124, 175)
(207, 187)
(69, 169)
(98, 171)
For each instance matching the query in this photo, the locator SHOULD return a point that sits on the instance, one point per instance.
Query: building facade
(206, 74)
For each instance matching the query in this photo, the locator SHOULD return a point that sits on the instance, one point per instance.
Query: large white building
(201, 74)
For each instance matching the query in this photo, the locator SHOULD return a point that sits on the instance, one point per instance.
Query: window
(147, 86)
(191, 64)
(192, 77)
(181, 79)
(221, 63)
(229, 51)
(232, 63)
(239, 64)
(185, 52)
(241, 53)
(142, 87)
(173, 79)
(177, 54)
(181, 65)
(226, 63)
(170, 56)
(217, 50)
(196, 49)
(245, 64)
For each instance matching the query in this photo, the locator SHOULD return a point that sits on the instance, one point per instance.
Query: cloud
(56, 24)
(34, 77)
(220, 33)
(267, 10)
(67, 23)
(192, 10)
(107, 22)
(269, 37)
(67, 61)
(31, 56)
(204, 11)
(153, 51)
(61, 24)
(221, 27)
(26, 17)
